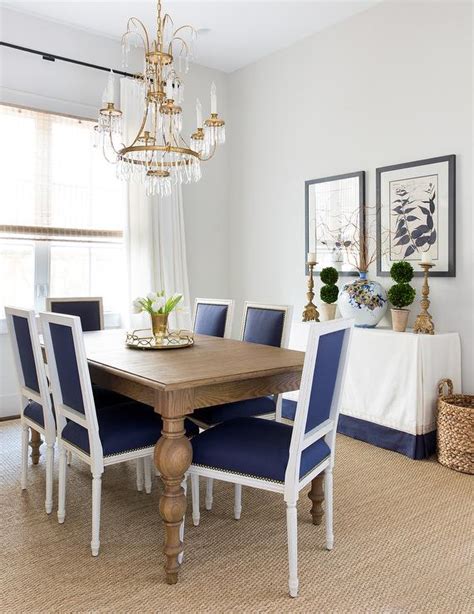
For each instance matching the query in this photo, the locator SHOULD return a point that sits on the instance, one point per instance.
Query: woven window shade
(56, 186)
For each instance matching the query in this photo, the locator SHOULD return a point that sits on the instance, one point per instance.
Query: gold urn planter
(400, 319)
(159, 325)
(328, 311)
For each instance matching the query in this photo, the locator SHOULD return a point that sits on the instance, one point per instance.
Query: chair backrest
(266, 324)
(29, 362)
(70, 379)
(317, 411)
(213, 317)
(88, 308)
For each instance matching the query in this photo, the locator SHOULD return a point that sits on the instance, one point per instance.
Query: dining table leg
(35, 443)
(316, 495)
(173, 455)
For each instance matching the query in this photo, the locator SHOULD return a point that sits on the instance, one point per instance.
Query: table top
(211, 360)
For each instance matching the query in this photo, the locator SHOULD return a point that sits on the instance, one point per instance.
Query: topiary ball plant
(401, 294)
(401, 272)
(329, 276)
(329, 292)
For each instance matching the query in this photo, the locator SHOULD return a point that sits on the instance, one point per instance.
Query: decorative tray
(143, 339)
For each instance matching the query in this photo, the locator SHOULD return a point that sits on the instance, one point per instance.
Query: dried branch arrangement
(343, 235)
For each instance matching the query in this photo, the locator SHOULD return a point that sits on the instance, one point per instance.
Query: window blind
(57, 186)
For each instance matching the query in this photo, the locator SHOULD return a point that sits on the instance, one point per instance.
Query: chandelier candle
(213, 98)
(198, 113)
(159, 155)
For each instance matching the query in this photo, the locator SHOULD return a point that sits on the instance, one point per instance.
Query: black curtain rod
(51, 57)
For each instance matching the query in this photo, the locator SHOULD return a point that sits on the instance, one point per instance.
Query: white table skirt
(392, 381)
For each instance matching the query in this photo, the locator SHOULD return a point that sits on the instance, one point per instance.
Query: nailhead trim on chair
(108, 455)
(249, 475)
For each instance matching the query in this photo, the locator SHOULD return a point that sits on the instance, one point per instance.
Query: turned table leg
(173, 455)
(35, 443)
(316, 494)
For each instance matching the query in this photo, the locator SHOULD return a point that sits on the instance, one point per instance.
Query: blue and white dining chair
(37, 412)
(267, 325)
(91, 312)
(89, 308)
(278, 457)
(213, 317)
(115, 434)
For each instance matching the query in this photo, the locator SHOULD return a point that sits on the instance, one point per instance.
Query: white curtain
(154, 236)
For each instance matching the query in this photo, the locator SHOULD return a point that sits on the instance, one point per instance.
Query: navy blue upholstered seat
(89, 311)
(102, 398)
(210, 319)
(34, 411)
(241, 409)
(125, 427)
(254, 447)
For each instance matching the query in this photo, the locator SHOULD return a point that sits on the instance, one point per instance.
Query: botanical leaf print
(413, 217)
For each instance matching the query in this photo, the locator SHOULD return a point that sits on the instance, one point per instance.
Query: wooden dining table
(175, 383)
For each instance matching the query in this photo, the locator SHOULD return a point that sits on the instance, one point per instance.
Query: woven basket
(455, 429)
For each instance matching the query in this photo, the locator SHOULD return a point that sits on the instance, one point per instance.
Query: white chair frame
(217, 301)
(285, 336)
(300, 440)
(78, 299)
(43, 398)
(88, 420)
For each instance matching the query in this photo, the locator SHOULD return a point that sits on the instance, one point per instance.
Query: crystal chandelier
(158, 155)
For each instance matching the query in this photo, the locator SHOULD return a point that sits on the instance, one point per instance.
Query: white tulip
(152, 296)
(136, 306)
(158, 304)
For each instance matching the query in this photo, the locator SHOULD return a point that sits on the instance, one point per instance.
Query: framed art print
(416, 215)
(334, 220)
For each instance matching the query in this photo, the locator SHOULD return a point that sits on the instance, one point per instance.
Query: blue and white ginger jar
(363, 300)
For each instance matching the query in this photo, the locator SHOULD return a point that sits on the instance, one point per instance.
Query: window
(61, 212)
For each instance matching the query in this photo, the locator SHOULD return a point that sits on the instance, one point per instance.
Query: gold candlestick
(310, 311)
(424, 321)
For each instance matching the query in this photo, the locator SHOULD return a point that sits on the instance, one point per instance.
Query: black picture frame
(361, 204)
(449, 235)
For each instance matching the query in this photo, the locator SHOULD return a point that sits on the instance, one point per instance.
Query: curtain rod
(51, 57)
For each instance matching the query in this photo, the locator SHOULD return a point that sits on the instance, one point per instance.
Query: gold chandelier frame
(156, 58)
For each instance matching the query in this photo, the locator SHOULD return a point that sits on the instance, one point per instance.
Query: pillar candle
(213, 98)
(198, 113)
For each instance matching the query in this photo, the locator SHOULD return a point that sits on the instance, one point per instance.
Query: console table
(390, 394)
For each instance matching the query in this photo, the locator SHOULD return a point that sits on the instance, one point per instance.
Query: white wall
(390, 85)
(61, 87)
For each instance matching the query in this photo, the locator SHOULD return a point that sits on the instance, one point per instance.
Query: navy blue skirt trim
(416, 447)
